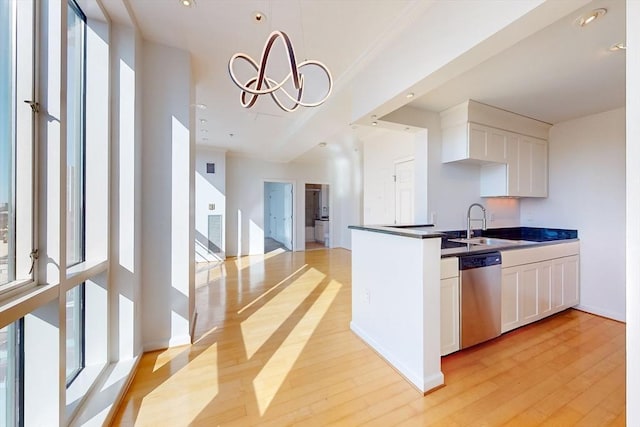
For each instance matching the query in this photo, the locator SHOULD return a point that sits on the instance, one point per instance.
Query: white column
(167, 198)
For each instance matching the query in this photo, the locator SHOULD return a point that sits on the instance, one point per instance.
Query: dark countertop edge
(399, 231)
(457, 252)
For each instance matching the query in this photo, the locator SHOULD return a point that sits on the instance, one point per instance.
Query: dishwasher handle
(480, 260)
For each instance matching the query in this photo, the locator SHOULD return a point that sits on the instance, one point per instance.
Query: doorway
(317, 224)
(278, 216)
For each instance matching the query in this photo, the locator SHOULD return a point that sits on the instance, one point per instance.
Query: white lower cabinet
(539, 289)
(449, 306)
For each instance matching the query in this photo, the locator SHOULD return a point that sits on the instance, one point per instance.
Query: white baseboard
(418, 380)
(620, 317)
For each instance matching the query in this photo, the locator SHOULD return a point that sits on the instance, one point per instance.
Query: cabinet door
(525, 155)
(557, 291)
(487, 144)
(544, 288)
(449, 316)
(319, 234)
(510, 298)
(478, 136)
(513, 142)
(567, 276)
(532, 167)
(528, 293)
(496, 148)
(539, 168)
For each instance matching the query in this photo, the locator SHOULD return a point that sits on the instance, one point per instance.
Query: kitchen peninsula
(396, 298)
(397, 279)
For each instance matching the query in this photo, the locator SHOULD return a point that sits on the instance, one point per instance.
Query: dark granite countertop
(425, 231)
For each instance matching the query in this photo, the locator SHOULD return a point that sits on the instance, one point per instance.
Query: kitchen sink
(490, 241)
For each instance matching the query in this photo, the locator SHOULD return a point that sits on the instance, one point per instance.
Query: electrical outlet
(212, 206)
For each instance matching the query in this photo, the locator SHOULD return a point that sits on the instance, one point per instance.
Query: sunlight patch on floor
(246, 261)
(275, 252)
(272, 288)
(271, 377)
(187, 406)
(262, 324)
(168, 356)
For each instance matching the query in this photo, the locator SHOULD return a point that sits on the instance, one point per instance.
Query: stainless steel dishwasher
(480, 298)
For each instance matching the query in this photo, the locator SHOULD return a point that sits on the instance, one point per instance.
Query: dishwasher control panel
(480, 260)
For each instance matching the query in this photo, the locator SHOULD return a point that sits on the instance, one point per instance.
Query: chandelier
(261, 84)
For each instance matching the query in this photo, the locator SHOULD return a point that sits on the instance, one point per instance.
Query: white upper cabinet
(524, 174)
(512, 149)
(474, 142)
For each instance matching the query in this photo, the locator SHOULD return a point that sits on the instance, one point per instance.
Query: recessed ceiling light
(374, 123)
(200, 106)
(323, 144)
(407, 129)
(258, 17)
(589, 17)
(203, 121)
(410, 95)
(618, 46)
(187, 3)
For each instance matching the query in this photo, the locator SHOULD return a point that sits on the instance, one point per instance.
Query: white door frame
(293, 208)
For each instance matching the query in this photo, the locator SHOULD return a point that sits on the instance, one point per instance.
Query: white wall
(125, 203)
(587, 192)
(210, 189)
(346, 196)
(381, 150)
(245, 200)
(168, 165)
(452, 187)
(633, 213)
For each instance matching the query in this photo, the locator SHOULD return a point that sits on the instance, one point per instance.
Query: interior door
(404, 189)
(288, 216)
(273, 218)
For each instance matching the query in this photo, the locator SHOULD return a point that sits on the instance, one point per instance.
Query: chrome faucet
(484, 219)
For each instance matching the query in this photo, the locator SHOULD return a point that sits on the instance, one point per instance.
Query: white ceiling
(557, 74)
(560, 73)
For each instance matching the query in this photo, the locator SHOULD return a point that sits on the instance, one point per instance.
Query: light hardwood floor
(274, 348)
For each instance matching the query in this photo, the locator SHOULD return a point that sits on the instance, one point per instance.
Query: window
(17, 124)
(6, 139)
(76, 106)
(11, 378)
(75, 332)
(76, 77)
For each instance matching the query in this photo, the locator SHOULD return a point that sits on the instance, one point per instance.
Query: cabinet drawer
(448, 268)
(539, 253)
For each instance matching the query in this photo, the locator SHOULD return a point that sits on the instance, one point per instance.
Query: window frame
(23, 12)
(80, 333)
(73, 5)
